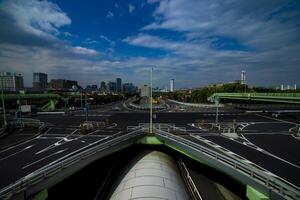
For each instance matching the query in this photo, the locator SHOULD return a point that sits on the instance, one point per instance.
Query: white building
(243, 77)
(145, 91)
(11, 81)
(172, 85)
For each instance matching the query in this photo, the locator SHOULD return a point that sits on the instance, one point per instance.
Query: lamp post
(3, 104)
(86, 109)
(217, 109)
(151, 122)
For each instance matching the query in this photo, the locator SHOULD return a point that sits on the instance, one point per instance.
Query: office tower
(119, 85)
(40, 80)
(243, 77)
(11, 81)
(172, 85)
(61, 84)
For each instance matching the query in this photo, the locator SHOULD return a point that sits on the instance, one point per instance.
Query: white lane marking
(66, 156)
(230, 153)
(280, 120)
(63, 141)
(24, 149)
(266, 152)
(58, 152)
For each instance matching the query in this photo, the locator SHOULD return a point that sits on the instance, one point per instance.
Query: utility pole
(151, 122)
(81, 99)
(3, 104)
(20, 112)
(217, 110)
(86, 109)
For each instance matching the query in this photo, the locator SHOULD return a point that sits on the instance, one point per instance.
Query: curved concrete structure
(153, 175)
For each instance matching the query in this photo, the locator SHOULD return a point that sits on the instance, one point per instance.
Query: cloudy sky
(196, 42)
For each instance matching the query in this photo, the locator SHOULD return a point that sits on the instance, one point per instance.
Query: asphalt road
(270, 163)
(63, 138)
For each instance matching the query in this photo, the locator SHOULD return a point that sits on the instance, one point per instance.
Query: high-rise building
(40, 80)
(111, 86)
(62, 84)
(119, 85)
(145, 91)
(11, 81)
(129, 88)
(103, 86)
(243, 77)
(91, 87)
(172, 85)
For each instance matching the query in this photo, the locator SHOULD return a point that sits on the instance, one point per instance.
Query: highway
(61, 139)
(264, 141)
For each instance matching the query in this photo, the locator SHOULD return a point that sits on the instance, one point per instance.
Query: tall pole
(20, 111)
(151, 122)
(81, 105)
(3, 104)
(86, 109)
(217, 110)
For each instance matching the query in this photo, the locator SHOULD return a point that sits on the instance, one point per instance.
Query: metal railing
(275, 184)
(64, 162)
(285, 96)
(194, 193)
(199, 105)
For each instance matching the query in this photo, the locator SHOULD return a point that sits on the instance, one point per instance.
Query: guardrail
(198, 105)
(189, 181)
(31, 96)
(274, 184)
(280, 94)
(146, 107)
(276, 97)
(62, 163)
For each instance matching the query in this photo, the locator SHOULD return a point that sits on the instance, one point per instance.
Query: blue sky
(195, 42)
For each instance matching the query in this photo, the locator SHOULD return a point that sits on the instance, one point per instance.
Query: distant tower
(172, 85)
(118, 85)
(282, 87)
(295, 87)
(40, 80)
(288, 87)
(243, 77)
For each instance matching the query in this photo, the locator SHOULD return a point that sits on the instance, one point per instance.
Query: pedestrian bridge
(292, 98)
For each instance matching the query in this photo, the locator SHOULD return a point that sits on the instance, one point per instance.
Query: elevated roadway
(62, 145)
(291, 98)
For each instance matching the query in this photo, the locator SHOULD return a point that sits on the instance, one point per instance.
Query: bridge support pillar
(253, 194)
(42, 195)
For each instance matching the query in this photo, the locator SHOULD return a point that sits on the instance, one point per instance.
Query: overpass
(260, 184)
(30, 96)
(52, 99)
(290, 98)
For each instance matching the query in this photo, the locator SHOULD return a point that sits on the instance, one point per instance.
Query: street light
(86, 109)
(217, 109)
(3, 104)
(151, 122)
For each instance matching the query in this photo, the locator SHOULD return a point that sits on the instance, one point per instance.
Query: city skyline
(194, 42)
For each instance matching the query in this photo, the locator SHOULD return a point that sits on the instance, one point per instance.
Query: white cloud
(31, 44)
(84, 51)
(110, 14)
(131, 8)
(38, 17)
(89, 41)
(103, 37)
(251, 23)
